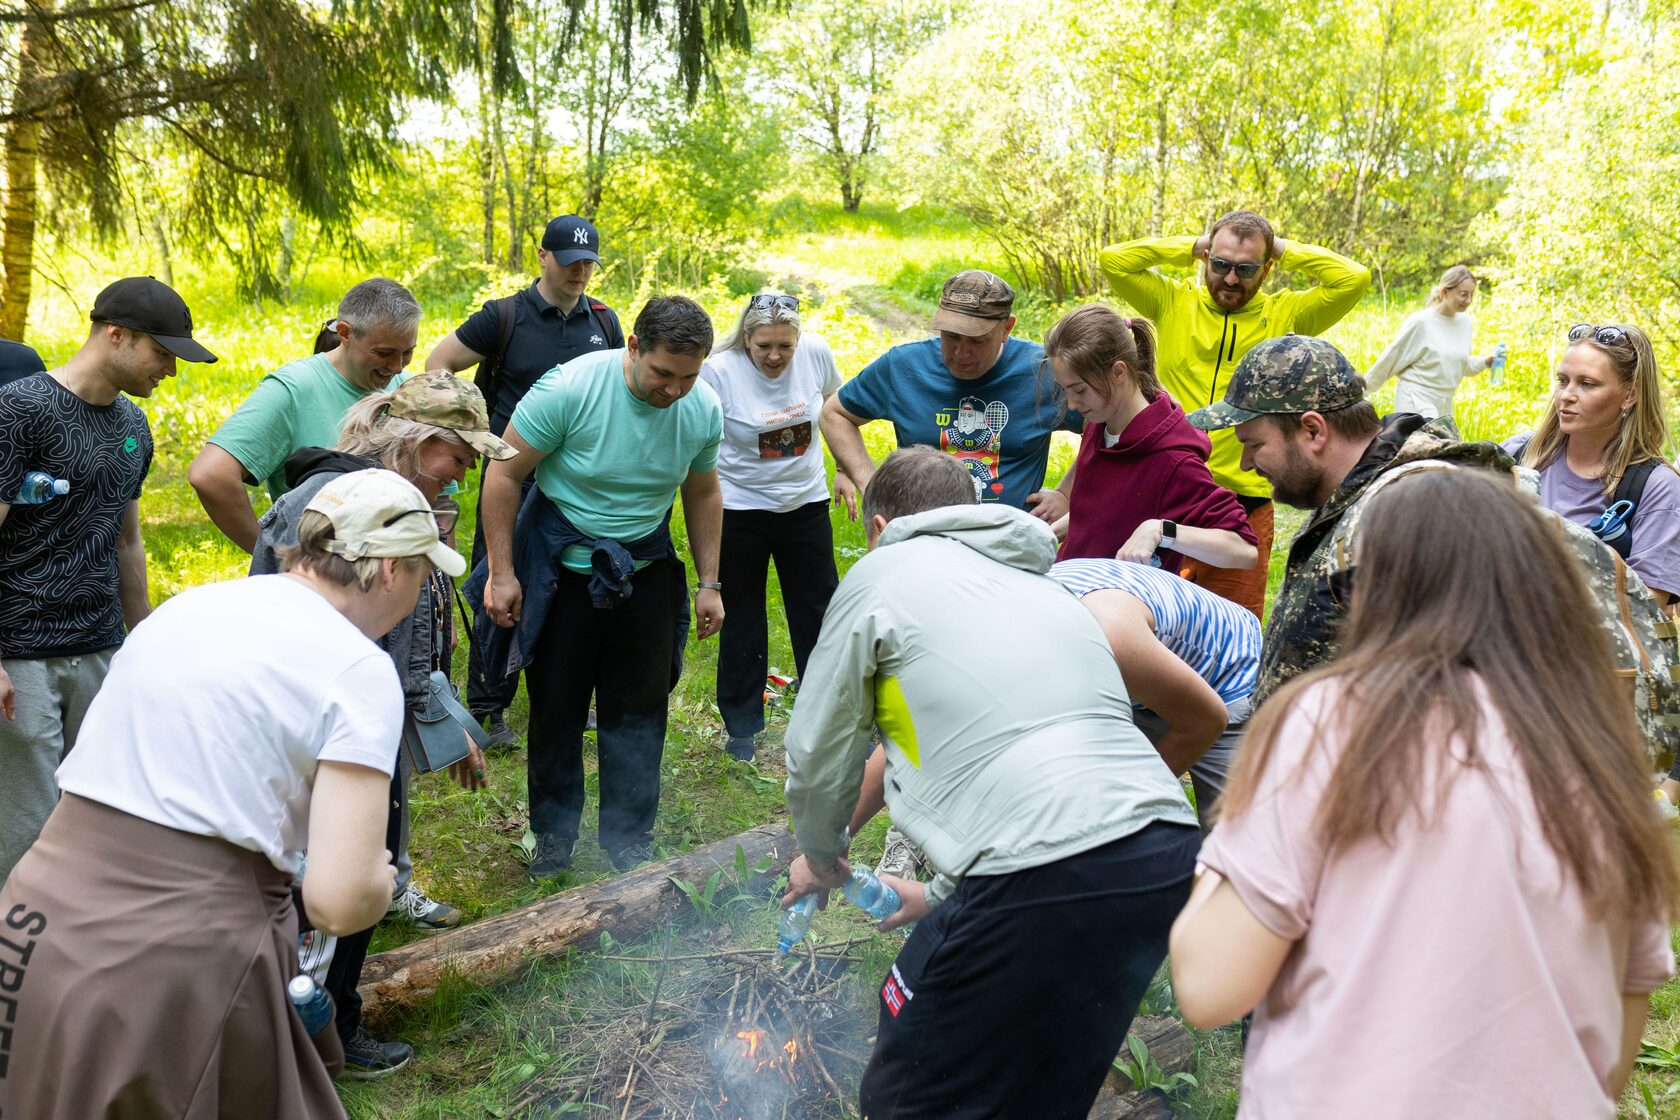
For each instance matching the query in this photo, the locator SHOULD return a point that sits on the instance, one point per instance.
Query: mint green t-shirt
(301, 404)
(613, 463)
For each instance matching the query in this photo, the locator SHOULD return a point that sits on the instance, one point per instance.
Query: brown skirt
(143, 974)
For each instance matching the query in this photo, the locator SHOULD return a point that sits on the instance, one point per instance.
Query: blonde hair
(310, 554)
(369, 429)
(1450, 279)
(753, 318)
(1643, 432)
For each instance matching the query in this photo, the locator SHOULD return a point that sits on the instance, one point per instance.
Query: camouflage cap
(974, 303)
(1290, 374)
(443, 400)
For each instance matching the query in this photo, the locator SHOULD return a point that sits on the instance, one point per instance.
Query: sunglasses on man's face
(768, 300)
(1247, 270)
(1604, 336)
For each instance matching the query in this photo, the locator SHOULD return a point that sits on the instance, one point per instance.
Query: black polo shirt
(542, 339)
(18, 360)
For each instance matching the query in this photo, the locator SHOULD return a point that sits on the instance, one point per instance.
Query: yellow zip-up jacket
(1200, 344)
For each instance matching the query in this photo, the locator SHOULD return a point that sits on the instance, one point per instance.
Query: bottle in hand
(868, 893)
(313, 1004)
(796, 923)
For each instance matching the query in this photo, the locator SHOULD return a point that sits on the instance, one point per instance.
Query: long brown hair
(1643, 433)
(1461, 580)
(1089, 340)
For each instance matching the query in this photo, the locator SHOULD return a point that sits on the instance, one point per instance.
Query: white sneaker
(429, 915)
(901, 857)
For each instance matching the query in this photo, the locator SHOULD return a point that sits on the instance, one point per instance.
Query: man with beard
(1206, 329)
(302, 403)
(1304, 426)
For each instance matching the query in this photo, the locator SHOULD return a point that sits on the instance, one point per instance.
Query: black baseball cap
(142, 303)
(572, 239)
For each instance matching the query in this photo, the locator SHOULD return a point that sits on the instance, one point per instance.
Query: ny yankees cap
(142, 303)
(572, 239)
(974, 303)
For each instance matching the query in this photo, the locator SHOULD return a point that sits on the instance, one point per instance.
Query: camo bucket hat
(1292, 373)
(445, 401)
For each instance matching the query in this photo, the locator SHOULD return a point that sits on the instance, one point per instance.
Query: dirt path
(887, 311)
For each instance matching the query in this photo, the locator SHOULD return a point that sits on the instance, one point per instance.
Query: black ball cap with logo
(142, 303)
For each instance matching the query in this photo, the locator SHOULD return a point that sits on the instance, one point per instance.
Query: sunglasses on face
(1247, 270)
(445, 519)
(770, 299)
(1604, 336)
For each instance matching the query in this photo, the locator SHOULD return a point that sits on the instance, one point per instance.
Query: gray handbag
(436, 738)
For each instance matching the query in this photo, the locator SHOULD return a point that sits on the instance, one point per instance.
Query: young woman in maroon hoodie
(1140, 487)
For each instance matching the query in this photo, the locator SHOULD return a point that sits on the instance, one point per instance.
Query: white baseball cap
(379, 513)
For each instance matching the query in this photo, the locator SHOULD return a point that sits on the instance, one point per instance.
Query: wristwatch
(1169, 533)
(706, 586)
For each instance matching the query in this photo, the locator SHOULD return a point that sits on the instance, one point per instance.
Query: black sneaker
(368, 1059)
(552, 857)
(502, 737)
(741, 747)
(633, 855)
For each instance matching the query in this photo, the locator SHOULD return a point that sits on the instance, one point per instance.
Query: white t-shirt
(771, 457)
(218, 707)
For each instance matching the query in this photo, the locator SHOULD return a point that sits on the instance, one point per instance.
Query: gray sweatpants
(51, 696)
(1209, 773)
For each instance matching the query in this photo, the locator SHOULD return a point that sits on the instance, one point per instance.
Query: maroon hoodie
(1158, 468)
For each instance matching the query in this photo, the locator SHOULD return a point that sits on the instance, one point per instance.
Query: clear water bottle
(796, 923)
(313, 1004)
(39, 487)
(868, 893)
(1496, 371)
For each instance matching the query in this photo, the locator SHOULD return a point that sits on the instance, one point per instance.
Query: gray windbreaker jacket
(1008, 730)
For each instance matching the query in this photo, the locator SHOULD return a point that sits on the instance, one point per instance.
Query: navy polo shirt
(17, 361)
(542, 339)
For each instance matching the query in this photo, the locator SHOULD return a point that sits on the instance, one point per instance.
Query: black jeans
(487, 696)
(622, 656)
(350, 953)
(1011, 999)
(801, 542)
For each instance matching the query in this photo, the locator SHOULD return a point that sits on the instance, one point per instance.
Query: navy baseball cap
(572, 239)
(142, 303)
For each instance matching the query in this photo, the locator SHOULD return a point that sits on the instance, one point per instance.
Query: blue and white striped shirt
(1212, 635)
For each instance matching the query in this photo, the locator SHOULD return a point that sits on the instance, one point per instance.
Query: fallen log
(1171, 1047)
(1150, 1105)
(500, 948)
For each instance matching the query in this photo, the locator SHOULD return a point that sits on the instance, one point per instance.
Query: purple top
(1656, 519)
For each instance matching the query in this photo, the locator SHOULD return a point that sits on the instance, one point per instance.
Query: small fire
(754, 1042)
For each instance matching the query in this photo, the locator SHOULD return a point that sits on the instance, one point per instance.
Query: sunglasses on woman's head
(1604, 336)
(771, 299)
(1247, 270)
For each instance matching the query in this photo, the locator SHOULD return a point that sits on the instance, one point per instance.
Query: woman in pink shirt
(1438, 879)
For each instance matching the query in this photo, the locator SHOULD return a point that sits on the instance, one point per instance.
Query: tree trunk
(22, 155)
(486, 170)
(286, 258)
(1158, 205)
(160, 242)
(499, 948)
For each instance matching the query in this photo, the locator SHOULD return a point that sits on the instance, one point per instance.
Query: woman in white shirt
(1431, 355)
(772, 382)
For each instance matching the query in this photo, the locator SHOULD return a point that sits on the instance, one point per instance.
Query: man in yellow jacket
(1205, 329)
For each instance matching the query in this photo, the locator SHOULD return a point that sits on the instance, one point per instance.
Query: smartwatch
(1169, 533)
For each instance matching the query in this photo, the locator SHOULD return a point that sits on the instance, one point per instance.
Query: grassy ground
(869, 279)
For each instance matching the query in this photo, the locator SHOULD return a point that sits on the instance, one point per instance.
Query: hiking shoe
(426, 913)
(502, 737)
(901, 857)
(632, 855)
(553, 856)
(741, 747)
(368, 1059)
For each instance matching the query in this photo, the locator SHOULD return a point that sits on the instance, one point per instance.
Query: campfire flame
(754, 1041)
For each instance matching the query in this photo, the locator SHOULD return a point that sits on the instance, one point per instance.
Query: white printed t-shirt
(771, 457)
(218, 708)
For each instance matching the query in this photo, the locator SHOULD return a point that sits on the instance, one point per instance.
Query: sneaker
(502, 737)
(1665, 806)
(632, 855)
(552, 856)
(426, 913)
(368, 1059)
(741, 747)
(901, 857)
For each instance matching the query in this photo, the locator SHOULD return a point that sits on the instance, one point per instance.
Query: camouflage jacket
(1302, 632)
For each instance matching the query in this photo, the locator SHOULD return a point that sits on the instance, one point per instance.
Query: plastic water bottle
(868, 893)
(1496, 371)
(39, 487)
(796, 923)
(313, 1004)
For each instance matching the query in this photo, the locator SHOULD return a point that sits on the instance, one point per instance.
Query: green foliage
(1140, 1069)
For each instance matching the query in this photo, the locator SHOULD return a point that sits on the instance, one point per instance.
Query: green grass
(869, 279)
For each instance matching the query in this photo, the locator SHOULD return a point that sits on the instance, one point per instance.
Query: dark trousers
(351, 951)
(1011, 999)
(488, 695)
(623, 656)
(801, 542)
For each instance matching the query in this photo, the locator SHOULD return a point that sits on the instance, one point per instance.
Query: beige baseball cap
(379, 513)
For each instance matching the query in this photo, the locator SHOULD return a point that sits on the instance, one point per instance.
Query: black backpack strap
(1631, 488)
(506, 316)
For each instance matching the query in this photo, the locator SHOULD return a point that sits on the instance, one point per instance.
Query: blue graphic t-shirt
(998, 425)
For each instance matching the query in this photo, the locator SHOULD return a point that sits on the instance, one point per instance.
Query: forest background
(262, 155)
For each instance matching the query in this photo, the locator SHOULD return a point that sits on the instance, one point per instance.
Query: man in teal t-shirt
(303, 403)
(613, 437)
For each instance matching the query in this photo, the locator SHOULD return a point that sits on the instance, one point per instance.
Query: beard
(1298, 483)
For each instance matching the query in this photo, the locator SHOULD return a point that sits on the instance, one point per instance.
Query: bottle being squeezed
(869, 894)
(796, 923)
(39, 487)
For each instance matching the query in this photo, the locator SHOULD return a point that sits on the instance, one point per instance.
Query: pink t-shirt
(1454, 974)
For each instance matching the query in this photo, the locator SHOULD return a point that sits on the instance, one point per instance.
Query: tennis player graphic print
(974, 434)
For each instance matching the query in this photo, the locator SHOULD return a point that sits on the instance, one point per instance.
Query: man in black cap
(513, 341)
(72, 566)
(18, 360)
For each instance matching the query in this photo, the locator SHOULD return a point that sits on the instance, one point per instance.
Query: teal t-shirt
(613, 463)
(301, 404)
